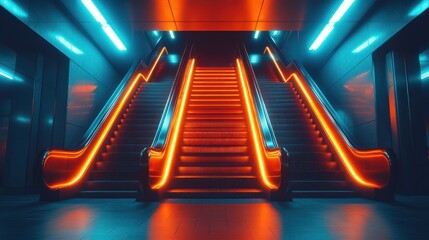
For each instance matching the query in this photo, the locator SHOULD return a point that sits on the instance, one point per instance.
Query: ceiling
(128, 17)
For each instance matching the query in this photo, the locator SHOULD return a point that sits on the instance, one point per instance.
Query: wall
(92, 78)
(347, 78)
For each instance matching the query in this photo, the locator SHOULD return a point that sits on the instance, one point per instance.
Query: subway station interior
(226, 119)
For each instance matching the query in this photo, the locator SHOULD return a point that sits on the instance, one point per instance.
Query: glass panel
(424, 71)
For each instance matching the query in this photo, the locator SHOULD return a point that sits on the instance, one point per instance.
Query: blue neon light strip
(421, 7)
(256, 35)
(6, 74)
(172, 34)
(13, 8)
(330, 26)
(104, 25)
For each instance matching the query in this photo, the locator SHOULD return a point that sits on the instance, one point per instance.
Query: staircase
(215, 157)
(114, 174)
(314, 171)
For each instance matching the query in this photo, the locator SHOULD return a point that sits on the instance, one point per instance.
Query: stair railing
(274, 163)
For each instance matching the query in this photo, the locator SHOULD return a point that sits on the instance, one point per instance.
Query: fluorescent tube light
(322, 36)
(421, 7)
(425, 75)
(330, 26)
(13, 8)
(104, 25)
(172, 34)
(6, 74)
(256, 35)
(365, 44)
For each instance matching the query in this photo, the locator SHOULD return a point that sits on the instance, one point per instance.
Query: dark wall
(32, 103)
(347, 78)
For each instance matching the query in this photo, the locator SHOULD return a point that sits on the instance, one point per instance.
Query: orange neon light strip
(171, 149)
(343, 149)
(89, 151)
(256, 137)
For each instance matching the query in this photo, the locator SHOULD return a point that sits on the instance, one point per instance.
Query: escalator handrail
(163, 130)
(269, 137)
(134, 72)
(329, 110)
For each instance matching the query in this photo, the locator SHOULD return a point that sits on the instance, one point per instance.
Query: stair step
(325, 194)
(106, 194)
(109, 185)
(211, 159)
(319, 185)
(215, 149)
(214, 141)
(209, 134)
(211, 170)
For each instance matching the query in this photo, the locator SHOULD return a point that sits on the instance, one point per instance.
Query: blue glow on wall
(173, 58)
(421, 7)
(364, 45)
(23, 119)
(254, 58)
(7, 75)
(425, 74)
(68, 45)
(330, 26)
(172, 34)
(14, 8)
(104, 25)
(156, 33)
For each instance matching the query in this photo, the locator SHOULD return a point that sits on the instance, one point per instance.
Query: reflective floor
(23, 217)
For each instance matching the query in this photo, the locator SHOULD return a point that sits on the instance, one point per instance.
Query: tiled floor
(23, 217)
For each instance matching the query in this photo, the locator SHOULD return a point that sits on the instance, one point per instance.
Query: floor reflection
(214, 220)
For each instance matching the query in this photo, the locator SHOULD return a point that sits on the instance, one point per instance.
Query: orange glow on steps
(255, 129)
(351, 158)
(73, 164)
(170, 150)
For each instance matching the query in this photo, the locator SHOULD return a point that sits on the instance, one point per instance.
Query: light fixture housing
(104, 25)
(331, 24)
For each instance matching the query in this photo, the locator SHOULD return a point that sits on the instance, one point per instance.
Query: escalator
(106, 164)
(323, 162)
(214, 158)
(114, 173)
(314, 171)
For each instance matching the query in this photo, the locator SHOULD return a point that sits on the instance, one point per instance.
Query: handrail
(165, 122)
(369, 168)
(63, 169)
(156, 161)
(270, 140)
(272, 160)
